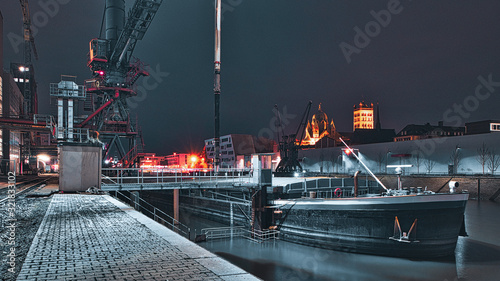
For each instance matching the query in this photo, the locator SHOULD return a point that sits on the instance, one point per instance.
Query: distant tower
(378, 126)
(318, 128)
(363, 116)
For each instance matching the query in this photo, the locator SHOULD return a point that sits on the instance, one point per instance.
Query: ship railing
(151, 211)
(346, 192)
(257, 236)
(158, 175)
(326, 187)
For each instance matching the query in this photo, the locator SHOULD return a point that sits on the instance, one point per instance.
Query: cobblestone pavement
(93, 237)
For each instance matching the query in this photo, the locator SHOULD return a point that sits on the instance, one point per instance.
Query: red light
(101, 72)
(348, 152)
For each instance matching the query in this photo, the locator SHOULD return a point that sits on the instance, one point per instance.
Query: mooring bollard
(478, 189)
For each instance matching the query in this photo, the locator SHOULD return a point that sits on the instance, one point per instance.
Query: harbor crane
(289, 145)
(114, 73)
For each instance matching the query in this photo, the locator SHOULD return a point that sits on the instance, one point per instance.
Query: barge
(410, 223)
(420, 225)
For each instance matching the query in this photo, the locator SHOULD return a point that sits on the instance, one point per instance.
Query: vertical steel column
(231, 214)
(60, 118)
(70, 119)
(218, 15)
(176, 206)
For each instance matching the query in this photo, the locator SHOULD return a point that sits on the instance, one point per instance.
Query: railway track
(23, 187)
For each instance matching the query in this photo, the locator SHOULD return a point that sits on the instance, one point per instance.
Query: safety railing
(79, 135)
(332, 187)
(155, 176)
(258, 236)
(156, 214)
(49, 120)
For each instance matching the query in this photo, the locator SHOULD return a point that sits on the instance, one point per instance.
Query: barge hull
(431, 224)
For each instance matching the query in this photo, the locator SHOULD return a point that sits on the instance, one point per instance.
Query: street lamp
(456, 159)
(349, 153)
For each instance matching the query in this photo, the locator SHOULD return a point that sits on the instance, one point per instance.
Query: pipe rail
(174, 224)
(141, 178)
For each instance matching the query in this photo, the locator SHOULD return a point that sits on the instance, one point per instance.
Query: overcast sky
(422, 64)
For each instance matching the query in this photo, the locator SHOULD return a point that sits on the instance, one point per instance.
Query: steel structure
(218, 17)
(289, 145)
(115, 72)
(30, 105)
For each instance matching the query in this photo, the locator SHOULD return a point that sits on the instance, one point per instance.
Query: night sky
(421, 65)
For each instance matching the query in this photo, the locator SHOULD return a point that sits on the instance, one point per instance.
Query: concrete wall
(79, 167)
(436, 151)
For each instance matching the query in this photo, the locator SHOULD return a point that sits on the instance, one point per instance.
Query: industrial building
(236, 150)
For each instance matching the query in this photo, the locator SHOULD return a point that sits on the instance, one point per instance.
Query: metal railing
(67, 89)
(49, 120)
(157, 215)
(258, 236)
(159, 176)
(326, 187)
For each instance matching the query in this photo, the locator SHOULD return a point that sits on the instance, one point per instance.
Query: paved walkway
(95, 237)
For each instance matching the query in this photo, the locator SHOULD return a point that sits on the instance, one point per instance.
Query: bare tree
(429, 165)
(417, 159)
(482, 155)
(321, 160)
(332, 161)
(493, 161)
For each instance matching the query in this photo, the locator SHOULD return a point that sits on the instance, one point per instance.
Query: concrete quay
(96, 237)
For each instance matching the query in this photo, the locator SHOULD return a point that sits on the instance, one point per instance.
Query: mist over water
(477, 257)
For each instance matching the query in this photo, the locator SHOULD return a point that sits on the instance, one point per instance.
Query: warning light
(101, 72)
(350, 152)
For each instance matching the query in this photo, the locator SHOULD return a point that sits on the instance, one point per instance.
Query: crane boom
(29, 40)
(139, 19)
(30, 97)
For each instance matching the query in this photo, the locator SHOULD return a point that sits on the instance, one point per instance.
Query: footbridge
(138, 179)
